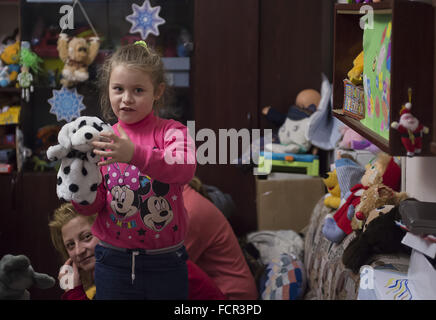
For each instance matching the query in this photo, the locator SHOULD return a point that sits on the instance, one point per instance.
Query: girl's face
(132, 93)
(80, 242)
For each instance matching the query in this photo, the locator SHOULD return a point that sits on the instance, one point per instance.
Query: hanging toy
(145, 19)
(77, 54)
(66, 104)
(410, 128)
(28, 60)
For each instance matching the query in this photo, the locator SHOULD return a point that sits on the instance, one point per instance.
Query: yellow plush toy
(355, 74)
(77, 54)
(11, 57)
(333, 198)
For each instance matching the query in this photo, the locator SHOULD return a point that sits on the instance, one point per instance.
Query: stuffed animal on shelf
(352, 140)
(11, 57)
(375, 196)
(78, 176)
(411, 130)
(356, 73)
(293, 126)
(380, 235)
(333, 197)
(383, 171)
(17, 275)
(77, 54)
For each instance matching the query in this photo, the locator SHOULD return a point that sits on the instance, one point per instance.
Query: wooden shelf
(412, 28)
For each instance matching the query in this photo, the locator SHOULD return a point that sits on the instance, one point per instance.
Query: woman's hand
(69, 280)
(119, 149)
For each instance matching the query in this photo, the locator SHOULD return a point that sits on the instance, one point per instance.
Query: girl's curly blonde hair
(134, 56)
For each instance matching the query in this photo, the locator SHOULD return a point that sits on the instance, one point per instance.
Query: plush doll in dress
(78, 176)
(17, 275)
(383, 171)
(411, 130)
(380, 235)
(77, 54)
(293, 126)
(28, 60)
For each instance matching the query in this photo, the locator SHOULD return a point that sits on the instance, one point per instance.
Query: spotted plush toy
(78, 176)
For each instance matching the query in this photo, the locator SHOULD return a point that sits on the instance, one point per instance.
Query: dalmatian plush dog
(78, 176)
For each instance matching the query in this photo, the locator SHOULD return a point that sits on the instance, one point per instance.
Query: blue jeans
(157, 277)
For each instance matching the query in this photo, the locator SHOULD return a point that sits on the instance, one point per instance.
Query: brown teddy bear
(77, 54)
(374, 197)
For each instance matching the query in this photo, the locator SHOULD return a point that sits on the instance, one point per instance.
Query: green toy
(28, 60)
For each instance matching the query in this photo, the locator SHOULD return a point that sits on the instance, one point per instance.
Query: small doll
(411, 130)
(28, 60)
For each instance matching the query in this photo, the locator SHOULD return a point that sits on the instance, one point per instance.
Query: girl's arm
(176, 163)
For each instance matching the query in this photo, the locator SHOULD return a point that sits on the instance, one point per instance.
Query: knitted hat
(392, 175)
(349, 174)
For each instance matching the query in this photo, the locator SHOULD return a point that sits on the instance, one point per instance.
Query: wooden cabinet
(28, 201)
(262, 52)
(411, 63)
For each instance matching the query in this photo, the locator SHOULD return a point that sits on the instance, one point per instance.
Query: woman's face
(80, 242)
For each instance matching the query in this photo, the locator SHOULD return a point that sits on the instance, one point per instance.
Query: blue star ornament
(145, 19)
(66, 104)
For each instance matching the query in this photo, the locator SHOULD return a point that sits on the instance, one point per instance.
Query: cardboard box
(286, 201)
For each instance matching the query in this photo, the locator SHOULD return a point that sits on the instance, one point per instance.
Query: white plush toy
(293, 137)
(78, 175)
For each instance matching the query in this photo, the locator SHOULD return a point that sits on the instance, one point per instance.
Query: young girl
(141, 219)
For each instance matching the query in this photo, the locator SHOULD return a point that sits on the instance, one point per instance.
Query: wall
(420, 178)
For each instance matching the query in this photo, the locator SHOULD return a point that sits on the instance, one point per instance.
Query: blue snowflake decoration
(145, 19)
(66, 104)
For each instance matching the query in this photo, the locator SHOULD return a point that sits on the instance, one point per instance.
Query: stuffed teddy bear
(375, 196)
(333, 197)
(17, 275)
(78, 176)
(11, 57)
(380, 235)
(77, 54)
(292, 134)
(384, 170)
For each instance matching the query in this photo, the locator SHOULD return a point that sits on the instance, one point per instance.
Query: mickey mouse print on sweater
(128, 189)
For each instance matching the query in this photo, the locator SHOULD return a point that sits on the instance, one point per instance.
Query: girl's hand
(119, 149)
(68, 280)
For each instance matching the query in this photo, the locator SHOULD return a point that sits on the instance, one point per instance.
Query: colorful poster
(377, 75)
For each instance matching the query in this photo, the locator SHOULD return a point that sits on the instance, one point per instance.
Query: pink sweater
(140, 205)
(213, 246)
